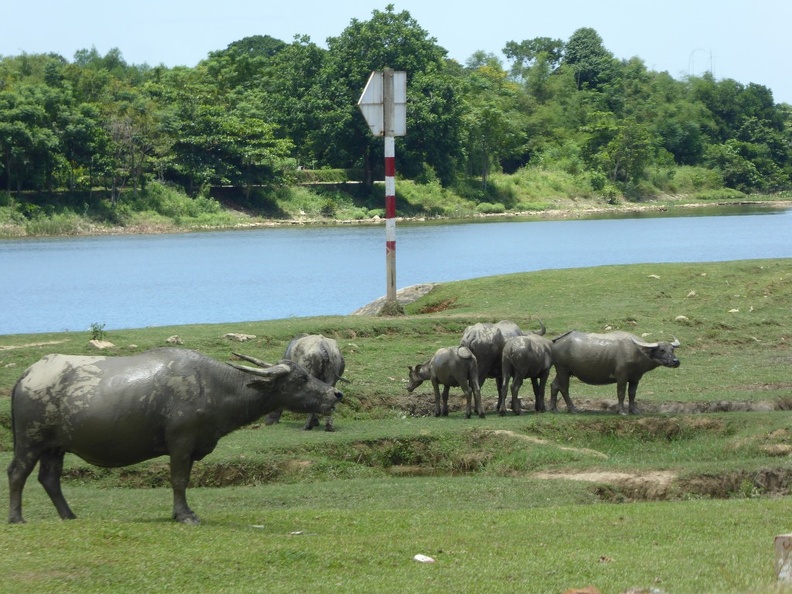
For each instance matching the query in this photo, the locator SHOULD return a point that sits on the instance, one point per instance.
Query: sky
(745, 40)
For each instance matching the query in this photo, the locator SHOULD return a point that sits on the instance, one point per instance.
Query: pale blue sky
(747, 40)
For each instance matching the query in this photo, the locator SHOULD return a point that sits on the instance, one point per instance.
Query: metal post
(390, 184)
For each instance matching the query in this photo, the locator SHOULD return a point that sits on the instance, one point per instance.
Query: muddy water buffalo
(117, 411)
(528, 356)
(598, 359)
(321, 357)
(450, 366)
(486, 342)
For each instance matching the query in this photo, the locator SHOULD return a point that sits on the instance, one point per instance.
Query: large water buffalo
(528, 356)
(321, 357)
(486, 342)
(450, 366)
(117, 411)
(598, 359)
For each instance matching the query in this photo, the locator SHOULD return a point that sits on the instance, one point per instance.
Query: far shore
(570, 209)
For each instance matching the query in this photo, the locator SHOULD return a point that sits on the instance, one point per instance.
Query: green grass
(497, 502)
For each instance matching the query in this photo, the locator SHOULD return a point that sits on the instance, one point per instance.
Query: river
(68, 284)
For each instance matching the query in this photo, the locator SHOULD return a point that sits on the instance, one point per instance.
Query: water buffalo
(321, 357)
(450, 366)
(117, 411)
(598, 359)
(486, 342)
(528, 356)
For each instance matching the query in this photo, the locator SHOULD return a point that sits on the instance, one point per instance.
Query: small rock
(423, 559)
(681, 319)
(101, 344)
(175, 339)
(692, 294)
(734, 311)
(239, 337)
(653, 276)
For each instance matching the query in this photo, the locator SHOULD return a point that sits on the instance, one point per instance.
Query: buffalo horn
(253, 360)
(675, 343)
(274, 370)
(648, 345)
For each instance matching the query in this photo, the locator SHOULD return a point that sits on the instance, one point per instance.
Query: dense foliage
(259, 110)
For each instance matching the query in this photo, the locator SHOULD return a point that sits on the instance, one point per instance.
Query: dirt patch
(11, 347)
(422, 405)
(648, 486)
(539, 441)
(439, 306)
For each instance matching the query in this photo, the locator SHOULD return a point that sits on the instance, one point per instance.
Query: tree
(493, 125)
(586, 55)
(526, 54)
(389, 39)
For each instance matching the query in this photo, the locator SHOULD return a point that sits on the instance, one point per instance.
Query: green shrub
(488, 208)
(57, 224)
(719, 194)
(689, 180)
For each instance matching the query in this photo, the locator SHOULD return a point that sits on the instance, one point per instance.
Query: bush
(488, 208)
(689, 180)
(719, 194)
(57, 224)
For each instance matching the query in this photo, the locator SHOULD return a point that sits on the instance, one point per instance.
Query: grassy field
(686, 497)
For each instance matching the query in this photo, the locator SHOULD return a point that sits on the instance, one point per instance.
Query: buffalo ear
(260, 384)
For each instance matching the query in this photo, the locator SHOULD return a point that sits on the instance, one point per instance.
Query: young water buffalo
(528, 356)
(599, 359)
(117, 411)
(450, 366)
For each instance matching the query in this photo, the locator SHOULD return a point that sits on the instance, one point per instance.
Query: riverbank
(559, 209)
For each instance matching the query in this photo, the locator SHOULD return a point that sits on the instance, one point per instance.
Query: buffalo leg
(273, 417)
(436, 387)
(477, 398)
(539, 386)
(181, 466)
(561, 384)
(329, 423)
(632, 389)
(469, 401)
(313, 421)
(621, 389)
(50, 470)
(515, 394)
(501, 408)
(445, 400)
(18, 472)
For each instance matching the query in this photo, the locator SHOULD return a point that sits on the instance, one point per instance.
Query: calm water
(51, 285)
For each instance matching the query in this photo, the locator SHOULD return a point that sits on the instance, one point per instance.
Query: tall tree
(586, 55)
(389, 39)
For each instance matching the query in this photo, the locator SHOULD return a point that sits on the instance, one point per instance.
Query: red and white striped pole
(384, 105)
(390, 215)
(390, 182)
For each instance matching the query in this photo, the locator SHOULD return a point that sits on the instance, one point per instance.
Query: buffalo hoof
(482, 416)
(187, 518)
(329, 427)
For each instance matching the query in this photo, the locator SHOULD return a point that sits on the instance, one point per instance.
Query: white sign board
(372, 104)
